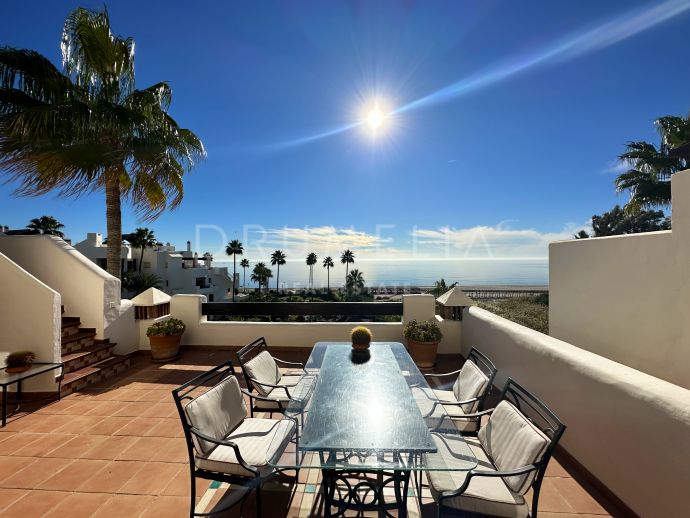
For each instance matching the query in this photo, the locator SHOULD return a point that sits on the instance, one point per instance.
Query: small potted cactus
(165, 337)
(361, 338)
(19, 361)
(422, 341)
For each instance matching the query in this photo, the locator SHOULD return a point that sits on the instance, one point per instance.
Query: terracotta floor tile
(168, 507)
(37, 423)
(9, 496)
(58, 407)
(142, 449)
(81, 407)
(33, 473)
(16, 441)
(554, 469)
(111, 478)
(138, 426)
(172, 450)
(79, 424)
(550, 500)
(110, 448)
(109, 426)
(78, 505)
(124, 505)
(11, 465)
(160, 410)
(104, 408)
(35, 504)
(577, 497)
(45, 445)
(179, 484)
(151, 479)
(73, 475)
(133, 409)
(76, 447)
(168, 427)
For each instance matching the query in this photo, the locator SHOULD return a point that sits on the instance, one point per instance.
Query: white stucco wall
(87, 291)
(29, 319)
(298, 334)
(628, 297)
(123, 330)
(629, 429)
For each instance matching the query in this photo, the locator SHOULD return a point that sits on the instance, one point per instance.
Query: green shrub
(425, 331)
(532, 312)
(172, 326)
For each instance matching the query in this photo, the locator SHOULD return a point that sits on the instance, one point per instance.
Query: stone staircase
(87, 360)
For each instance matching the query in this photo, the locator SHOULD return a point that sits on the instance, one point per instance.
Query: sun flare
(375, 119)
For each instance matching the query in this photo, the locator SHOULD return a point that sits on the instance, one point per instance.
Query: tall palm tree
(244, 264)
(347, 258)
(277, 258)
(355, 281)
(141, 238)
(258, 274)
(328, 264)
(311, 261)
(649, 178)
(234, 249)
(89, 129)
(47, 225)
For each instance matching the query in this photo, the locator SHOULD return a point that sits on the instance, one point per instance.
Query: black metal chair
(263, 376)
(513, 450)
(222, 443)
(468, 395)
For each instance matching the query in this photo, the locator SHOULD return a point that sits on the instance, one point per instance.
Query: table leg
(4, 405)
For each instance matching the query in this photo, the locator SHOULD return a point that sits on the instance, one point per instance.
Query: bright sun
(375, 118)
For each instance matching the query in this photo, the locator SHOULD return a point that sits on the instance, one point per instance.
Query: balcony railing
(301, 309)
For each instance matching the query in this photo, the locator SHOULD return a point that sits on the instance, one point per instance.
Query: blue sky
(512, 163)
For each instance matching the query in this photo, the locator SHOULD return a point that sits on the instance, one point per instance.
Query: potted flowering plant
(361, 338)
(165, 337)
(422, 341)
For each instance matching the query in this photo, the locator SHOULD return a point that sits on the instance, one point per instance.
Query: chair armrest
(288, 363)
(284, 387)
(230, 444)
(264, 398)
(433, 375)
(476, 473)
(458, 403)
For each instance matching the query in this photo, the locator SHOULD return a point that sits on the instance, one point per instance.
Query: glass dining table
(368, 420)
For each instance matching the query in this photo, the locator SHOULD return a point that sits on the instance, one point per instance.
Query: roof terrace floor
(116, 449)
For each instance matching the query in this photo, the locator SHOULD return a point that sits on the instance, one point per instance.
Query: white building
(179, 271)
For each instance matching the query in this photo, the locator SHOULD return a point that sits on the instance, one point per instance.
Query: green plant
(19, 359)
(172, 326)
(360, 335)
(424, 331)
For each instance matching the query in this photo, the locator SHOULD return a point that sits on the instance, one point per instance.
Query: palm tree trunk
(234, 288)
(346, 266)
(278, 279)
(141, 259)
(113, 216)
(244, 282)
(328, 282)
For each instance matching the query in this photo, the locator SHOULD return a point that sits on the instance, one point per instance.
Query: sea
(413, 272)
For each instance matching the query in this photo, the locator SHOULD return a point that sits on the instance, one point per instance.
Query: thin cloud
(615, 167)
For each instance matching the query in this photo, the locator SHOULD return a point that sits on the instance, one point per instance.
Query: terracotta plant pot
(423, 353)
(360, 347)
(165, 348)
(17, 370)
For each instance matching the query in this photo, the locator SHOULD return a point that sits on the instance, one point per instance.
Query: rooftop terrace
(116, 448)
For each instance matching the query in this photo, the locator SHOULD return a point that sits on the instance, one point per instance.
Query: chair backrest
(211, 403)
(258, 364)
(475, 380)
(522, 430)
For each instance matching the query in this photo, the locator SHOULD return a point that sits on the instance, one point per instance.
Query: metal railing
(285, 309)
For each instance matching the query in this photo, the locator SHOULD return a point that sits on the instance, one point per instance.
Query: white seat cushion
(471, 383)
(216, 412)
(263, 369)
(464, 425)
(512, 441)
(484, 495)
(258, 440)
(278, 394)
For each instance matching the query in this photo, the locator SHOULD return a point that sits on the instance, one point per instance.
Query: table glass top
(7, 378)
(371, 410)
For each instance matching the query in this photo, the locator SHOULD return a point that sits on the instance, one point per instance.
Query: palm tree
(347, 258)
(138, 283)
(89, 129)
(141, 238)
(261, 274)
(244, 264)
(311, 261)
(649, 178)
(328, 264)
(440, 287)
(355, 281)
(277, 258)
(46, 225)
(234, 249)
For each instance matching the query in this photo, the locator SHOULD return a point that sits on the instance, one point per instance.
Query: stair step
(87, 356)
(79, 340)
(94, 373)
(70, 321)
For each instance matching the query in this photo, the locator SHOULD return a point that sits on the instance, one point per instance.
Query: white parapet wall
(629, 429)
(87, 291)
(202, 332)
(628, 297)
(29, 319)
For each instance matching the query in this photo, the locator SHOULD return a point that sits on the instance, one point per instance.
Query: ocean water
(415, 272)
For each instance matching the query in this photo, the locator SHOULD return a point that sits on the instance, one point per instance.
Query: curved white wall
(629, 429)
(29, 319)
(87, 291)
